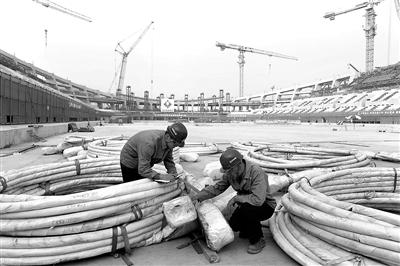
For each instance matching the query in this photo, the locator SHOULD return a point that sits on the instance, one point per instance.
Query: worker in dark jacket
(149, 147)
(251, 204)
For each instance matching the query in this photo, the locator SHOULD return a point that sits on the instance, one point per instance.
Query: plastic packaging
(73, 151)
(212, 170)
(189, 157)
(179, 211)
(216, 229)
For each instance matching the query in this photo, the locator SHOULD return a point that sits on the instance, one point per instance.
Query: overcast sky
(179, 52)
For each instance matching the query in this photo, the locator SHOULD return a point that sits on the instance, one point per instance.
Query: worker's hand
(166, 177)
(231, 207)
(238, 199)
(231, 203)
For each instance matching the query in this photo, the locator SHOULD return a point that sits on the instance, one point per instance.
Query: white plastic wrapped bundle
(189, 157)
(50, 150)
(213, 170)
(73, 151)
(199, 182)
(80, 156)
(216, 229)
(63, 145)
(179, 211)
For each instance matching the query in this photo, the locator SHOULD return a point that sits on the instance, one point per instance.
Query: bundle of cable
(110, 147)
(201, 150)
(87, 214)
(343, 217)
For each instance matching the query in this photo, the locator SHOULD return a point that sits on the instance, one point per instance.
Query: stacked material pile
(73, 210)
(111, 147)
(327, 219)
(286, 164)
(279, 158)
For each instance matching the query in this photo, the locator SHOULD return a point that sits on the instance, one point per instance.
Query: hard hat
(229, 158)
(177, 132)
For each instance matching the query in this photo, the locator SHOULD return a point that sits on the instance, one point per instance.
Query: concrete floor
(348, 137)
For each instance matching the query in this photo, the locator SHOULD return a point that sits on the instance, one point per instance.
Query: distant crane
(397, 6)
(124, 55)
(369, 28)
(60, 8)
(242, 50)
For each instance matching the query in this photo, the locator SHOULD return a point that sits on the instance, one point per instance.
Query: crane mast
(242, 50)
(369, 28)
(125, 55)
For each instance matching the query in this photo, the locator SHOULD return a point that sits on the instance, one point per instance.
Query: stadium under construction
(30, 95)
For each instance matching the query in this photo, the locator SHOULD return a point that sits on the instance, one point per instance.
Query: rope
(395, 180)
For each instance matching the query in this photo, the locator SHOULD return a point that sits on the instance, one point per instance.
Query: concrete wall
(13, 135)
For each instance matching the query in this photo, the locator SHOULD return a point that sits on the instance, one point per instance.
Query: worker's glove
(166, 177)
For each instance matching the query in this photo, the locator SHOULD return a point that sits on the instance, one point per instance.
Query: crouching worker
(149, 147)
(250, 204)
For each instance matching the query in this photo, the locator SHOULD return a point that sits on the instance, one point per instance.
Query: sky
(178, 54)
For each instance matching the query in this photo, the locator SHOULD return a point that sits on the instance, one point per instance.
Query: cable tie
(372, 164)
(369, 195)
(3, 184)
(395, 180)
(114, 242)
(133, 209)
(46, 187)
(47, 190)
(124, 234)
(78, 167)
(137, 212)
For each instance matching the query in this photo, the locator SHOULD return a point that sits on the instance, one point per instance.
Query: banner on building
(167, 105)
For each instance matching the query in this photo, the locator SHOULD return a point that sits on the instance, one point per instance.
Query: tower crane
(369, 28)
(242, 50)
(60, 8)
(397, 6)
(124, 55)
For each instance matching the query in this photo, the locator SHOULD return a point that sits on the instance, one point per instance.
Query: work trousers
(130, 174)
(246, 219)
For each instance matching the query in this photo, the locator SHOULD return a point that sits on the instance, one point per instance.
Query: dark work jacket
(145, 149)
(252, 187)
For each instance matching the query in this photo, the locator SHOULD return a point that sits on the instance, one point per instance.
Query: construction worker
(149, 147)
(251, 205)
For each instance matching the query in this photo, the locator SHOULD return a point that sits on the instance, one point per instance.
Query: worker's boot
(257, 247)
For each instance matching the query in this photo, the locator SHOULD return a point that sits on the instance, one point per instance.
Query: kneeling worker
(251, 185)
(149, 147)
